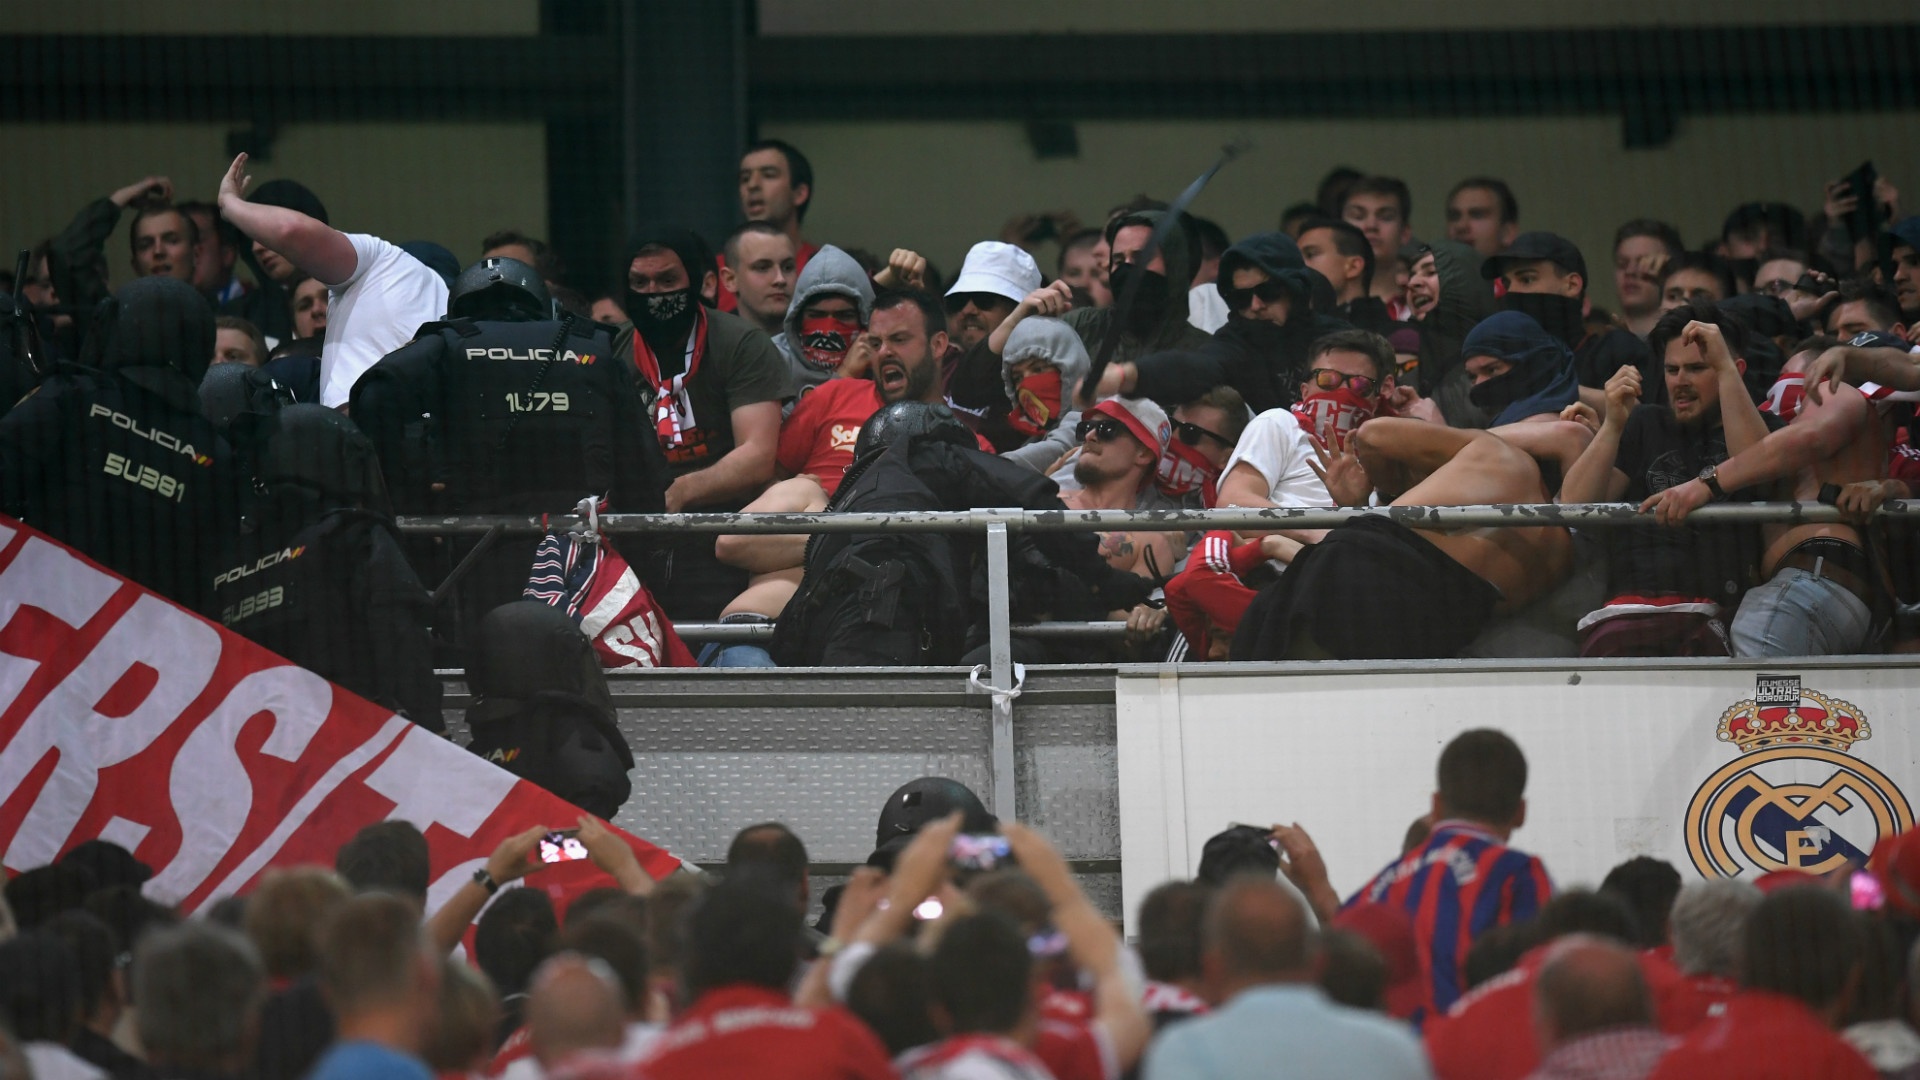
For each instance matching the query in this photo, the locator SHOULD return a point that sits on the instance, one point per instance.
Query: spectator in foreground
(1593, 1014)
(574, 1014)
(1800, 955)
(745, 937)
(382, 982)
(1480, 801)
(200, 989)
(1259, 961)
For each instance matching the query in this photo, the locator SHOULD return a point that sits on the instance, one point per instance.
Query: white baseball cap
(1001, 269)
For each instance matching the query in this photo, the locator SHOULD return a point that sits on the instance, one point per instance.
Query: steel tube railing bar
(1584, 515)
(749, 633)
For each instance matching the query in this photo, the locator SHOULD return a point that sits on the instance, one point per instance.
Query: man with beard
(713, 385)
(1342, 255)
(1274, 301)
(816, 446)
(1546, 278)
(1157, 320)
(758, 268)
(1671, 590)
(829, 310)
(1121, 443)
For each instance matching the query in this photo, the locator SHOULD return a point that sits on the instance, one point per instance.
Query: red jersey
(818, 436)
(1488, 1034)
(1764, 1036)
(748, 1031)
(972, 1056)
(1076, 1051)
(1461, 883)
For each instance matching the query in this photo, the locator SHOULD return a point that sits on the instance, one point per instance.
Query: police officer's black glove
(1121, 591)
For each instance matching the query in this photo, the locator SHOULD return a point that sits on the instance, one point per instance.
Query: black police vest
(534, 414)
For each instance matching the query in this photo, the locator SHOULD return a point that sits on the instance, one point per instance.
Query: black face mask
(663, 318)
(1149, 308)
(1498, 392)
(1557, 315)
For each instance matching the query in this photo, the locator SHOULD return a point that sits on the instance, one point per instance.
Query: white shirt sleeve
(380, 306)
(1276, 447)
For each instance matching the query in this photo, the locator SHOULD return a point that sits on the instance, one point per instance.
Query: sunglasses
(1191, 434)
(1102, 428)
(984, 301)
(1329, 379)
(1269, 291)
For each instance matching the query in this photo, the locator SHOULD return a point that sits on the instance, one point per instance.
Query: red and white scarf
(672, 405)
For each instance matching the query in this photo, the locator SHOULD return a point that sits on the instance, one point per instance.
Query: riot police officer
(317, 573)
(112, 455)
(502, 408)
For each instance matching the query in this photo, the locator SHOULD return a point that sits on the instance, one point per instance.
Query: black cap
(1906, 232)
(1877, 339)
(1532, 247)
(1784, 221)
(931, 798)
(108, 862)
(1241, 849)
(290, 195)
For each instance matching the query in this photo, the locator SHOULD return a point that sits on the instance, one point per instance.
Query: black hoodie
(1264, 362)
(1174, 331)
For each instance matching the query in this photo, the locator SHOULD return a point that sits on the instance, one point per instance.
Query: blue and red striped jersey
(1458, 885)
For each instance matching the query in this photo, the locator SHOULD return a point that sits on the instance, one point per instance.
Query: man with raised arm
(1670, 591)
(378, 295)
(1824, 593)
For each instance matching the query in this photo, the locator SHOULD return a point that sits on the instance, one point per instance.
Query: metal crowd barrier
(999, 677)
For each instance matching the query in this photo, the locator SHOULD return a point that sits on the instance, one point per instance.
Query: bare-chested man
(1376, 589)
(1823, 594)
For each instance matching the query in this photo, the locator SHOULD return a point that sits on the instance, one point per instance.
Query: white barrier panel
(1728, 769)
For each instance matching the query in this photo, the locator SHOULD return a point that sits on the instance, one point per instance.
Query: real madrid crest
(1795, 798)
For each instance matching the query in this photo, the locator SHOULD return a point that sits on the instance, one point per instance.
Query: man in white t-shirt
(1275, 462)
(378, 294)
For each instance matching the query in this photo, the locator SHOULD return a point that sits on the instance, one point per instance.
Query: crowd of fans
(965, 949)
(1340, 360)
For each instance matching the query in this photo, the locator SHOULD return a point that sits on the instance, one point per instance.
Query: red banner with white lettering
(126, 717)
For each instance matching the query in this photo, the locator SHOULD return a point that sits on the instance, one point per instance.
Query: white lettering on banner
(431, 781)
(180, 650)
(1723, 769)
(335, 775)
(212, 793)
(645, 629)
(50, 578)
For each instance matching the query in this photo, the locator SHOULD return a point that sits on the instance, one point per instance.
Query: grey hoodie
(1055, 342)
(831, 272)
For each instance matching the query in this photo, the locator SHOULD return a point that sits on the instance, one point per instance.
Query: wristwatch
(485, 881)
(1710, 476)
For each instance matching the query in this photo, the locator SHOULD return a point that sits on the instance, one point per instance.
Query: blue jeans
(1799, 614)
(735, 656)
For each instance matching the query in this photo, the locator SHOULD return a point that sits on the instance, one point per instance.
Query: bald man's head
(574, 1004)
(1588, 984)
(1256, 932)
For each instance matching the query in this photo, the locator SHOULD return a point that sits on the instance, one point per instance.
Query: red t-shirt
(818, 436)
(748, 1031)
(1076, 1051)
(1764, 1036)
(1488, 1034)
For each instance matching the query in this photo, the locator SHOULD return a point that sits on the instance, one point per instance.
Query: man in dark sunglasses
(993, 279)
(1274, 302)
(1121, 443)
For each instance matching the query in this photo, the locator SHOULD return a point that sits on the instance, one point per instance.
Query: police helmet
(315, 448)
(500, 288)
(911, 419)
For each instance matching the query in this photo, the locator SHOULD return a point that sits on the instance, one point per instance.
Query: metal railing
(1001, 679)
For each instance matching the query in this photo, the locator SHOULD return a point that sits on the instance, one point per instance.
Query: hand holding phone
(562, 845)
(979, 851)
